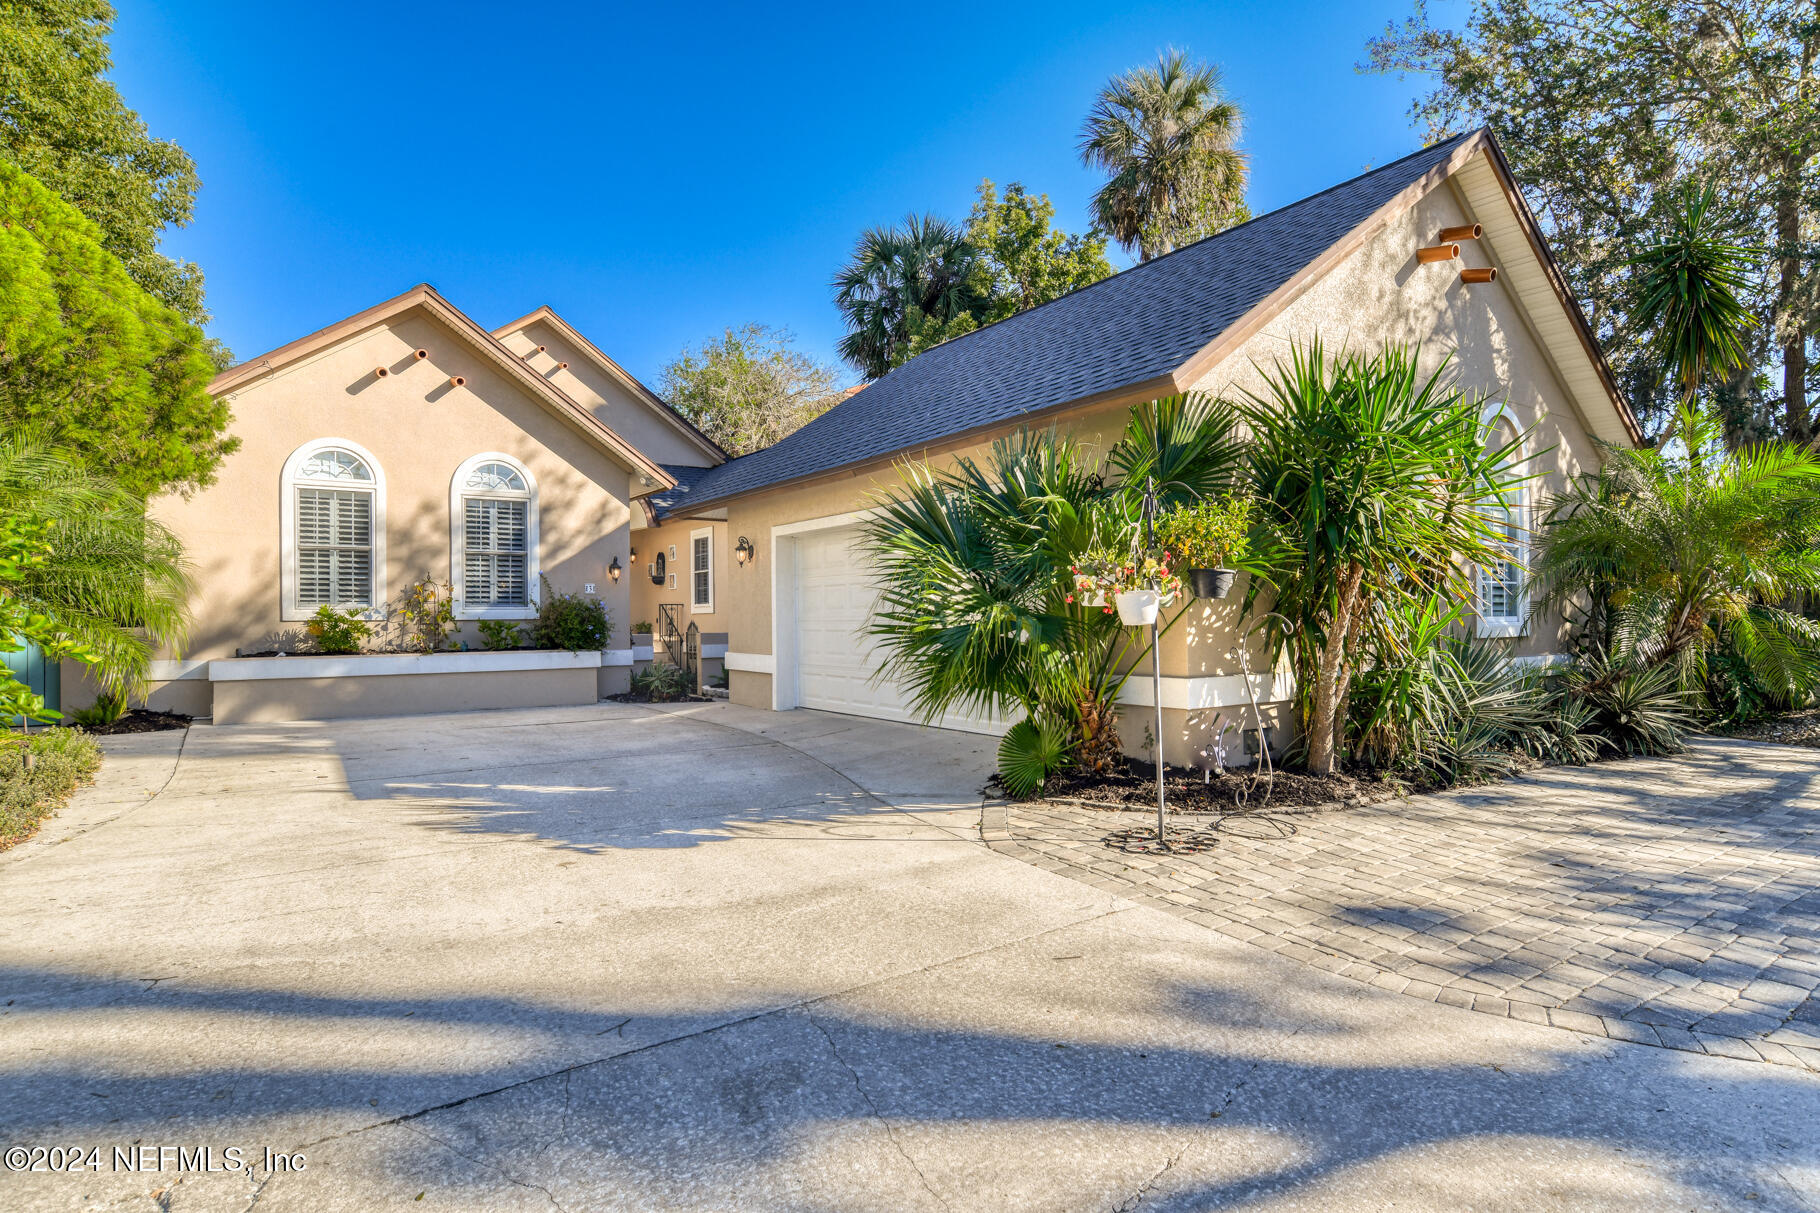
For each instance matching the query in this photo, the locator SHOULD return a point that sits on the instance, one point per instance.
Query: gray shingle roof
(1135, 326)
(686, 478)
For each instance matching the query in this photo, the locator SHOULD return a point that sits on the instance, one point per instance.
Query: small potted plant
(1209, 537)
(1139, 584)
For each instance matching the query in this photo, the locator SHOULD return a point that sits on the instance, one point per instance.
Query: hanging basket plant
(1137, 585)
(1209, 538)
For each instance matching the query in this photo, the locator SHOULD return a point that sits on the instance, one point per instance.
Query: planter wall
(261, 690)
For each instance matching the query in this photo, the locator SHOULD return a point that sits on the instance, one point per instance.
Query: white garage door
(835, 660)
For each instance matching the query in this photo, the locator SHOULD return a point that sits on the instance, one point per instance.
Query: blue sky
(657, 173)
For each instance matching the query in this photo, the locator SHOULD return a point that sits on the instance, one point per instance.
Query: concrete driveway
(705, 958)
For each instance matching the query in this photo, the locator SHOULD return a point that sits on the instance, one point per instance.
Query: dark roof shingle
(1134, 326)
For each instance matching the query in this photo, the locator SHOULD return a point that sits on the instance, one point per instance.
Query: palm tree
(1371, 482)
(115, 583)
(898, 278)
(1681, 555)
(1689, 282)
(1167, 138)
(976, 610)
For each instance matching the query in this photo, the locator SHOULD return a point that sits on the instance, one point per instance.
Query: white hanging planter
(1138, 608)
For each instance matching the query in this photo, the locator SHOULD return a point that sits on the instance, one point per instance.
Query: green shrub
(576, 622)
(108, 708)
(642, 628)
(661, 681)
(62, 760)
(1639, 710)
(337, 631)
(1029, 754)
(1212, 533)
(501, 634)
(426, 615)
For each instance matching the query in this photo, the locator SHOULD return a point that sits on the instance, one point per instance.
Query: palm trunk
(1324, 718)
(1794, 346)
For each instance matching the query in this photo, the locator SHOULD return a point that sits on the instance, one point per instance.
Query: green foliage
(114, 580)
(1640, 710)
(576, 622)
(1101, 574)
(91, 361)
(501, 634)
(426, 615)
(1606, 110)
(924, 269)
(65, 123)
(1676, 554)
(661, 682)
(1370, 482)
(1029, 753)
(642, 628)
(1213, 532)
(1690, 281)
(977, 610)
(1167, 138)
(107, 709)
(751, 388)
(62, 760)
(24, 553)
(337, 631)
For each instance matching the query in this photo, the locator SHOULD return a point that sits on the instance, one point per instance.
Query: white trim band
(618, 656)
(1198, 694)
(163, 670)
(257, 669)
(752, 663)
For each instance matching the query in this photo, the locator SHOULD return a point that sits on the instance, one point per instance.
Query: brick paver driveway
(1672, 902)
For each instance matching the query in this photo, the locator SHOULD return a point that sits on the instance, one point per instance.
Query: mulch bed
(635, 697)
(1796, 728)
(1189, 791)
(139, 720)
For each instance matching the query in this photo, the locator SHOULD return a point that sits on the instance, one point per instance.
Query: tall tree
(1605, 108)
(751, 388)
(1022, 261)
(1167, 136)
(91, 361)
(66, 124)
(899, 278)
(1690, 280)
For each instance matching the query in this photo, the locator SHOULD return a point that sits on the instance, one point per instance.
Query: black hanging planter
(1211, 583)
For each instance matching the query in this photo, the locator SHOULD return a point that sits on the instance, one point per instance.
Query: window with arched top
(1502, 601)
(332, 522)
(493, 538)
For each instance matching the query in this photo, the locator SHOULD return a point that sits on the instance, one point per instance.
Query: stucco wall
(1378, 294)
(629, 416)
(419, 428)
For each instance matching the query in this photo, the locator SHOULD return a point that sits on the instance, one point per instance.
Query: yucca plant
(1371, 481)
(1640, 710)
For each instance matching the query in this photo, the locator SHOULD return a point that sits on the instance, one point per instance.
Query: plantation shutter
(1501, 584)
(334, 548)
(703, 573)
(497, 543)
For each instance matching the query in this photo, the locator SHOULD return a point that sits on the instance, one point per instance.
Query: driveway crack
(494, 1167)
(890, 1130)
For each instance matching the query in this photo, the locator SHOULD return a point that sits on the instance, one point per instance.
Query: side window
(701, 570)
(1502, 604)
(333, 518)
(493, 541)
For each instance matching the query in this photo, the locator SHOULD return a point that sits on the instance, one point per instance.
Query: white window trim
(706, 608)
(289, 482)
(458, 538)
(1497, 414)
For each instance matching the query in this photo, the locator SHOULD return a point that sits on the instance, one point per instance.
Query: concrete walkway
(707, 958)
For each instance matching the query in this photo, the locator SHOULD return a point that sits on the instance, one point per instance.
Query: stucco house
(1342, 264)
(409, 442)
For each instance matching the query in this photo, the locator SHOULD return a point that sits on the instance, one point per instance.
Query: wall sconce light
(632, 553)
(742, 551)
(613, 570)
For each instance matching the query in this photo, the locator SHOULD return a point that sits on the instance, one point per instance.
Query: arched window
(493, 534)
(332, 517)
(1502, 602)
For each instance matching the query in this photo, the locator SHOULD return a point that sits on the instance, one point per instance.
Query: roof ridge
(1353, 180)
